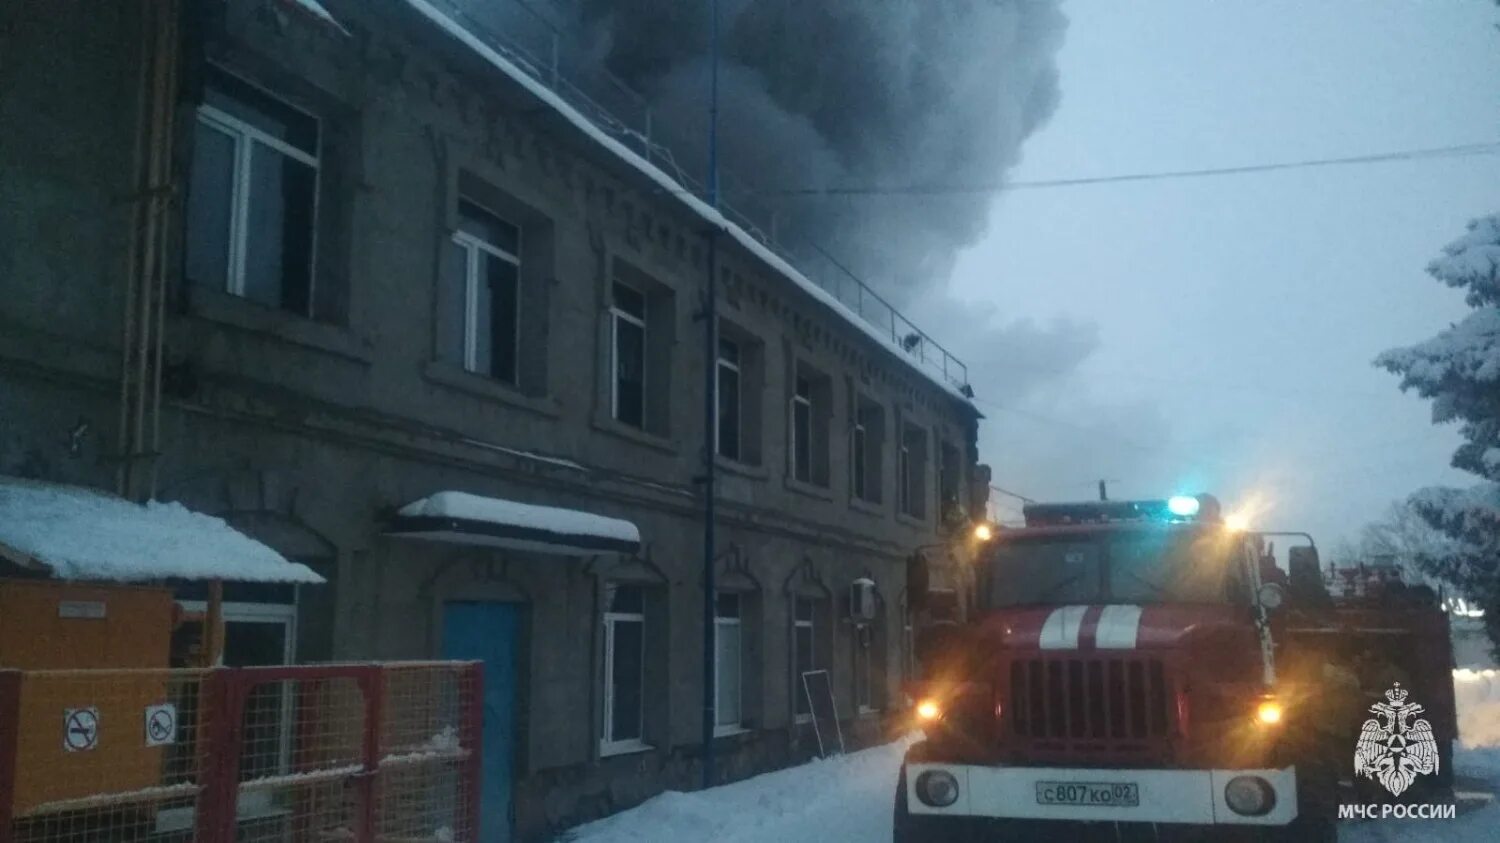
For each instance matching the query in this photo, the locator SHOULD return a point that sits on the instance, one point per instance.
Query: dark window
(728, 660)
(857, 462)
(252, 196)
(728, 386)
(628, 321)
(488, 284)
(803, 650)
(911, 470)
(802, 430)
(624, 665)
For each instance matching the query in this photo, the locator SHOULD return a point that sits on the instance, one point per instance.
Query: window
(804, 650)
(911, 471)
(624, 668)
(858, 468)
(728, 662)
(908, 646)
(869, 666)
(486, 280)
(727, 385)
(949, 476)
(802, 431)
(252, 196)
(810, 403)
(866, 451)
(628, 355)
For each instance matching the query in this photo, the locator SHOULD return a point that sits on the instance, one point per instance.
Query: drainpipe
(710, 402)
(145, 282)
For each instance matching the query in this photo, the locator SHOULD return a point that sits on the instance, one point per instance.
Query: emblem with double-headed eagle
(1392, 747)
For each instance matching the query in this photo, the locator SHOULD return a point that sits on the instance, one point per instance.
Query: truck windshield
(1167, 566)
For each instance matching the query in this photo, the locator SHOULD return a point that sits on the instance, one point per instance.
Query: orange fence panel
(363, 752)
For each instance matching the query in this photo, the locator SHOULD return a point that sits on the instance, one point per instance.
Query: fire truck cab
(1116, 674)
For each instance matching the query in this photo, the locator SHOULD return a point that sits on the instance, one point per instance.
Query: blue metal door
(490, 632)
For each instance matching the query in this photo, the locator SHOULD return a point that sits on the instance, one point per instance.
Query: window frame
(864, 680)
(913, 478)
(608, 745)
(859, 468)
(804, 402)
(799, 693)
(737, 622)
(616, 314)
(720, 364)
(242, 133)
(474, 248)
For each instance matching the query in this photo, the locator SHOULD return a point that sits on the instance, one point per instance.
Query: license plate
(1103, 794)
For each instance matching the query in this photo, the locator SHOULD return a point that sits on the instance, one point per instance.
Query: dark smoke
(836, 93)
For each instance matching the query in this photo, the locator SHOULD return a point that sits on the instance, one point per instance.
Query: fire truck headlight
(1250, 796)
(937, 788)
(928, 711)
(1268, 713)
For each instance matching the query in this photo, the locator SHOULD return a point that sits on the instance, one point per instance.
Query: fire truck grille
(1088, 698)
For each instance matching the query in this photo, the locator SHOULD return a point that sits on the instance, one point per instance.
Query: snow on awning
(463, 518)
(85, 534)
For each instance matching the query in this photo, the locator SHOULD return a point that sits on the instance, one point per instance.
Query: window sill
(744, 469)
(913, 521)
(868, 507)
(234, 311)
(451, 376)
(868, 712)
(604, 424)
(822, 493)
(609, 750)
(802, 719)
(730, 731)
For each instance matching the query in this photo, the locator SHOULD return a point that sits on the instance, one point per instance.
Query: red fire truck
(1145, 668)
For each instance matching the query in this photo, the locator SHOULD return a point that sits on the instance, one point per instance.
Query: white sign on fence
(80, 729)
(161, 724)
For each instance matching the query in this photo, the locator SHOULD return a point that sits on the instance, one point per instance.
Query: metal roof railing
(537, 46)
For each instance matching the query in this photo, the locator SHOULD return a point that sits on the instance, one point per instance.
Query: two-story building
(362, 287)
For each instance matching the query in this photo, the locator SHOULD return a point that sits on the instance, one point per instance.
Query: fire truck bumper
(1197, 797)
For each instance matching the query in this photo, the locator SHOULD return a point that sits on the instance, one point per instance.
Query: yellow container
(96, 658)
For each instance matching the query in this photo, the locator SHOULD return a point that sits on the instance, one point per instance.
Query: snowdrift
(1478, 695)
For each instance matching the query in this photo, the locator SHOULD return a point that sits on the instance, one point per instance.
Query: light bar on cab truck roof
(1177, 509)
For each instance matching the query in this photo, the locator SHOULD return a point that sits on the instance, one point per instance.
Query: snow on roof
(85, 534)
(473, 519)
(672, 187)
(314, 8)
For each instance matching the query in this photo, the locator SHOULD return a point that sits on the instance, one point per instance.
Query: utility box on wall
(95, 660)
(56, 625)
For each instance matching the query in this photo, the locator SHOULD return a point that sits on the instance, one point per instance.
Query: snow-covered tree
(1459, 369)
(1402, 537)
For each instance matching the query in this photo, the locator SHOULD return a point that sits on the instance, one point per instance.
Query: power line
(1456, 151)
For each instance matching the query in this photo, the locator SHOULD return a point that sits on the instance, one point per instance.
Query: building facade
(301, 273)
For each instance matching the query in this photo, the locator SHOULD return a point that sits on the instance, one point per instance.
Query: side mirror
(1270, 596)
(918, 578)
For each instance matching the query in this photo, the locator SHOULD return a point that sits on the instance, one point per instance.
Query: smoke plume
(835, 94)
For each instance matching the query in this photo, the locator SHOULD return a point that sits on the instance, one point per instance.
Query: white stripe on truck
(1118, 628)
(1060, 630)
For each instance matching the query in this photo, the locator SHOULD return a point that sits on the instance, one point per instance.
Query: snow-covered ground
(849, 798)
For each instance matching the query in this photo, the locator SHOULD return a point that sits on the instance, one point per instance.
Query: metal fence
(541, 49)
(338, 752)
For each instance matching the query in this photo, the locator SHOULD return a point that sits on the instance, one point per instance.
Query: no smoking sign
(80, 729)
(161, 724)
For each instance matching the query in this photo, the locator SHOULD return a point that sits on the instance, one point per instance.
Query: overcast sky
(1236, 316)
